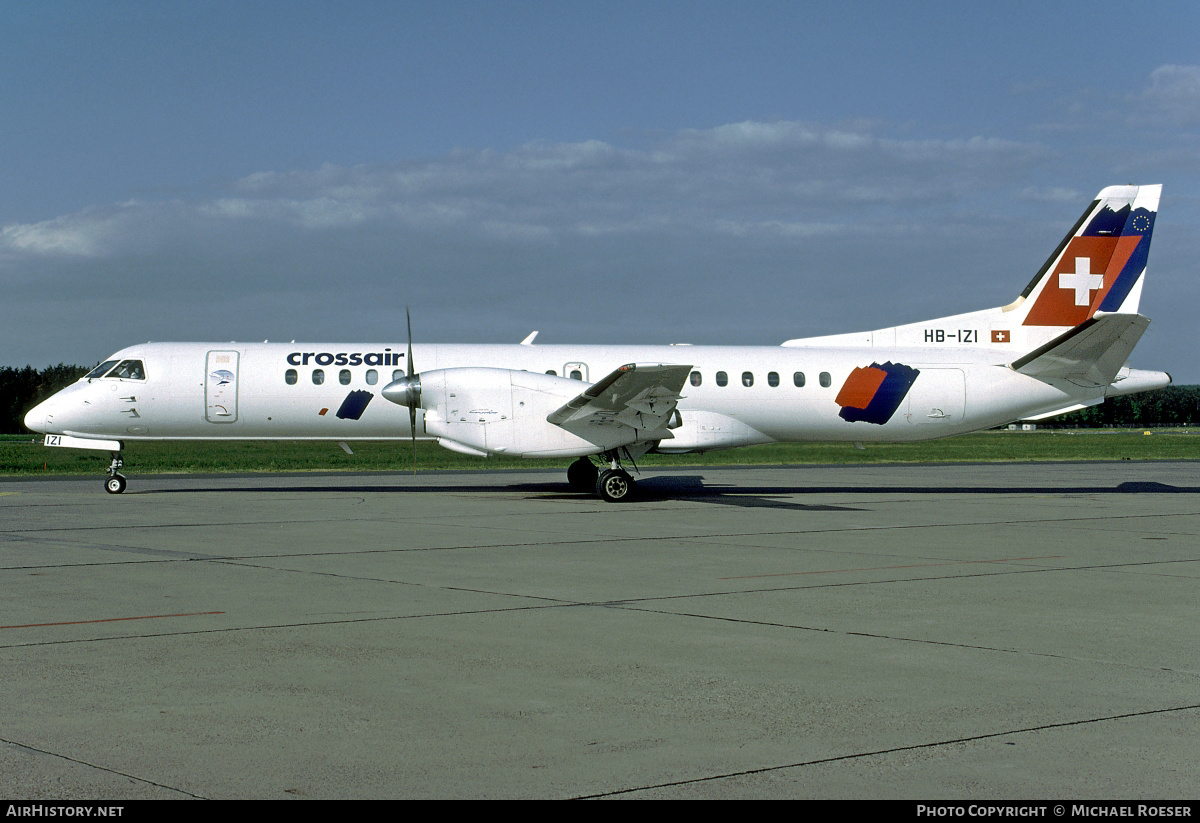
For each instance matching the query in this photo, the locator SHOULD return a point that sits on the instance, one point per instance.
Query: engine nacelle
(500, 411)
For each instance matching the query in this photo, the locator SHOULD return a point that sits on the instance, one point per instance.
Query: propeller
(414, 394)
(407, 391)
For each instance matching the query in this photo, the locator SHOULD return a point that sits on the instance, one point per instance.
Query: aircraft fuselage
(300, 391)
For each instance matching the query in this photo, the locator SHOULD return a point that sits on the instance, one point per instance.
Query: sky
(620, 172)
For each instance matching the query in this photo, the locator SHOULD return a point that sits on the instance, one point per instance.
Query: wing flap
(634, 403)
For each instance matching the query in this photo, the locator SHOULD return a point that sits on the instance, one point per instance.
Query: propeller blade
(412, 424)
(412, 408)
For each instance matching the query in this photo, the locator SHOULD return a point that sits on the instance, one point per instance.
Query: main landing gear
(615, 485)
(115, 484)
(612, 485)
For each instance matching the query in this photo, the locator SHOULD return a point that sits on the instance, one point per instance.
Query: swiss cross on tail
(1102, 261)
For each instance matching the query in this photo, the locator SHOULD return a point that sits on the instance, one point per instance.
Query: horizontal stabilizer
(633, 403)
(1089, 354)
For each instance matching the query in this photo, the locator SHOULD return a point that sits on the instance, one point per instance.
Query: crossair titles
(381, 358)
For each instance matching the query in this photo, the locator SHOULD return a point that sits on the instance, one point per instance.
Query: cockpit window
(101, 369)
(129, 370)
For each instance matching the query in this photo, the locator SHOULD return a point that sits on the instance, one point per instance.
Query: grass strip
(24, 455)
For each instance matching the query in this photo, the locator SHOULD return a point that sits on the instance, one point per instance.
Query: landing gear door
(221, 387)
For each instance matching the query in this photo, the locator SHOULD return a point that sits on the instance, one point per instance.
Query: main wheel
(114, 484)
(614, 485)
(582, 475)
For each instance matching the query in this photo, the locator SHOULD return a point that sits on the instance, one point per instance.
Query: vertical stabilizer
(1098, 267)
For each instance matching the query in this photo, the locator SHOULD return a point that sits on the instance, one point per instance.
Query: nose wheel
(115, 484)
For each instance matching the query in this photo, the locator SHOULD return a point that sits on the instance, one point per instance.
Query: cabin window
(826, 380)
(129, 370)
(552, 371)
(101, 370)
(318, 376)
(290, 377)
(722, 379)
(397, 374)
(773, 379)
(576, 374)
(695, 378)
(747, 379)
(344, 377)
(798, 379)
(372, 377)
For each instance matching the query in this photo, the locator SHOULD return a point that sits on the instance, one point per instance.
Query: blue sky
(609, 171)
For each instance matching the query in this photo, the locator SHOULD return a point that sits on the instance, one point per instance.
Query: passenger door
(221, 387)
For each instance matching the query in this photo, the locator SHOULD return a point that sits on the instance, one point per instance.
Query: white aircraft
(1061, 345)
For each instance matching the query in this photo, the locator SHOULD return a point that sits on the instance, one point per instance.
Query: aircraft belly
(703, 430)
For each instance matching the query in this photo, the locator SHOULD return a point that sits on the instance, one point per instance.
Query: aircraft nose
(38, 418)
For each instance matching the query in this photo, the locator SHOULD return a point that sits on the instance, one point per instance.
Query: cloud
(545, 193)
(1054, 194)
(1169, 99)
(750, 232)
(91, 233)
(1173, 95)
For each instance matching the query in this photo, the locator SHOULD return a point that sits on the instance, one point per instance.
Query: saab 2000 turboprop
(1061, 345)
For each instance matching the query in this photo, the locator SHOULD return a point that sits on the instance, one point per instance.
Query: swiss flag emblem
(1079, 281)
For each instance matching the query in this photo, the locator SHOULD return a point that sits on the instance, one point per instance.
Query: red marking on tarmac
(889, 568)
(109, 620)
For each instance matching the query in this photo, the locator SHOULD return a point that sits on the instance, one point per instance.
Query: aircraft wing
(633, 404)
(1091, 353)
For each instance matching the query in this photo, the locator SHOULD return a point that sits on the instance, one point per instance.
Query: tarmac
(967, 631)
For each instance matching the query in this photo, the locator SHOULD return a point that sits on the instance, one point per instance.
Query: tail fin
(1084, 301)
(1098, 267)
(1097, 270)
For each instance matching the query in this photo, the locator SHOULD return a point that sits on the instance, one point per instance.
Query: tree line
(1174, 406)
(22, 389)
